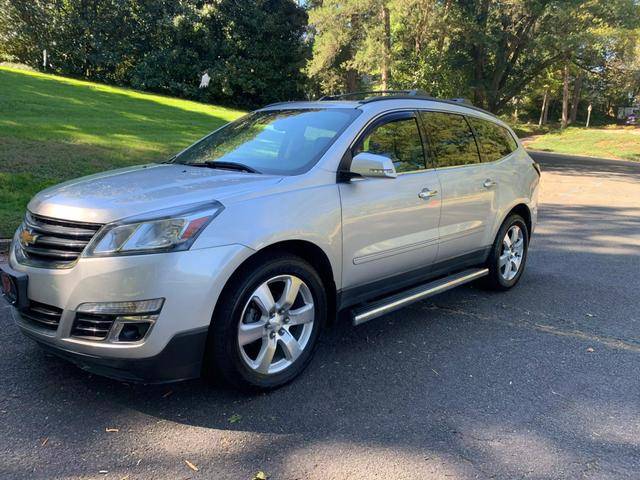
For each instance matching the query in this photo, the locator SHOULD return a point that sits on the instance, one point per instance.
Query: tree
(486, 49)
(565, 97)
(352, 40)
(254, 51)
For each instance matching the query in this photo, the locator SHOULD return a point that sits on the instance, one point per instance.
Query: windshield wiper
(240, 167)
(224, 166)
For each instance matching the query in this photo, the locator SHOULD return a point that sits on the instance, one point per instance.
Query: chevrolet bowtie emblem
(27, 238)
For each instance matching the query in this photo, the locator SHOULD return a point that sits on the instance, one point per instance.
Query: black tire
(495, 280)
(224, 358)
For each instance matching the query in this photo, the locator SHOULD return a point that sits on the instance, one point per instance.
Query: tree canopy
(254, 51)
(487, 50)
(504, 55)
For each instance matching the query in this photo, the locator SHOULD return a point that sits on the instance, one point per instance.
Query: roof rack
(419, 95)
(378, 93)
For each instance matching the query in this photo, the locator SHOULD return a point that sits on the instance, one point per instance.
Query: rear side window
(451, 138)
(399, 140)
(495, 141)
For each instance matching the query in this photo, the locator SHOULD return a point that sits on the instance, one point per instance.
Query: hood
(122, 193)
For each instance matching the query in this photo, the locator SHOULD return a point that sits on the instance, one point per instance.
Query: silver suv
(231, 257)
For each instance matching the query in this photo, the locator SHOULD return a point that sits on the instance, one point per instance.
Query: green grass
(54, 128)
(606, 142)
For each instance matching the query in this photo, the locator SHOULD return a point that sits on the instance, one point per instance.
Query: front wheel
(508, 254)
(266, 328)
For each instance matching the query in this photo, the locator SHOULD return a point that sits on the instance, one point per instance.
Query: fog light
(130, 321)
(133, 332)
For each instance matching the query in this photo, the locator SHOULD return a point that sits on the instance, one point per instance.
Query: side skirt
(395, 302)
(396, 284)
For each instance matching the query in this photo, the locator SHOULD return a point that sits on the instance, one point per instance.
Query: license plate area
(14, 286)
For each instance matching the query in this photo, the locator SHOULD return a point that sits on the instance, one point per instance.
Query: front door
(390, 225)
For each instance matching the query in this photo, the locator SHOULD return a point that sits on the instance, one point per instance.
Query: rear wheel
(266, 328)
(508, 255)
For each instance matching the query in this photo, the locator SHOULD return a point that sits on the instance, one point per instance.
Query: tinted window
(451, 139)
(281, 142)
(495, 141)
(399, 140)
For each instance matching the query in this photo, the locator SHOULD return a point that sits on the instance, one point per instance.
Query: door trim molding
(362, 293)
(393, 251)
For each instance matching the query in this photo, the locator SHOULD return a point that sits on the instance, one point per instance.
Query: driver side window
(399, 140)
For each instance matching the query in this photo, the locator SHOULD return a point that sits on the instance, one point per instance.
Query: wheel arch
(523, 210)
(304, 249)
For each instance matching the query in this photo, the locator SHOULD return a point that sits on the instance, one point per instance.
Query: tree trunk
(545, 117)
(351, 75)
(385, 67)
(351, 81)
(577, 88)
(565, 98)
(479, 58)
(545, 108)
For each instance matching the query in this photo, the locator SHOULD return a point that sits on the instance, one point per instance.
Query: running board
(395, 302)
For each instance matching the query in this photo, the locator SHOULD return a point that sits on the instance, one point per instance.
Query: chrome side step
(395, 302)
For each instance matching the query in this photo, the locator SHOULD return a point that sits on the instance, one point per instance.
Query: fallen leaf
(235, 418)
(191, 465)
(169, 393)
(125, 477)
(111, 430)
(590, 315)
(45, 441)
(260, 476)
(590, 350)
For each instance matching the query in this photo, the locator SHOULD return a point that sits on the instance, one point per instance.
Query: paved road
(540, 382)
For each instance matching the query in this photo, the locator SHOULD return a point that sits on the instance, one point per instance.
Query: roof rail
(379, 95)
(409, 93)
(464, 101)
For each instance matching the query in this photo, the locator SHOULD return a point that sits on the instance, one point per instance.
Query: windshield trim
(300, 171)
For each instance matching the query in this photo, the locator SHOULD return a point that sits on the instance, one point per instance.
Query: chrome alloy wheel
(512, 252)
(272, 334)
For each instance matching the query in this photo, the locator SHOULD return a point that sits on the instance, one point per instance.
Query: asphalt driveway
(540, 382)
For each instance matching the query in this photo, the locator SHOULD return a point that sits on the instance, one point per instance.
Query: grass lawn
(606, 142)
(54, 128)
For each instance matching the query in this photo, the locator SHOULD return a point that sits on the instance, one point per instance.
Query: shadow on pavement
(537, 382)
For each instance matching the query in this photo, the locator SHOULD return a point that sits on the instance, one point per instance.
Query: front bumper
(189, 281)
(180, 359)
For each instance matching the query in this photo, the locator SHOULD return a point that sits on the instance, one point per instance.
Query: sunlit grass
(605, 142)
(54, 128)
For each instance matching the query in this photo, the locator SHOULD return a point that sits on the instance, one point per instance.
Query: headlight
(163, 231)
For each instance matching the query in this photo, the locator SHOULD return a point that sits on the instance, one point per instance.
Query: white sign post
(589, 108)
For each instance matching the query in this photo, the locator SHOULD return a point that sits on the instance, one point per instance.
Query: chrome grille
(53, 243)
(42, 315)
(92, 326)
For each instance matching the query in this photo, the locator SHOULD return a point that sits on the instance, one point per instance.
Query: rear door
(390, 226)
(468, 189)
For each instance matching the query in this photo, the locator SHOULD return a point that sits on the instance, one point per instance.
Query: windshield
(278, 142)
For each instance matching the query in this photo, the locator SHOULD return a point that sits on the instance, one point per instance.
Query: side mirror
(367, 164)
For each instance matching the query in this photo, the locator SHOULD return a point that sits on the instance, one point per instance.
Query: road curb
(4, 245)
(576, 157)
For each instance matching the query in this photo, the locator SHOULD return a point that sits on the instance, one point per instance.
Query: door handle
(426, 194)
(488, 183)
